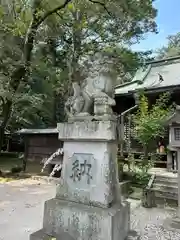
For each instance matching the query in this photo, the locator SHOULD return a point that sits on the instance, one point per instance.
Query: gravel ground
(149, 223)
(21, 212)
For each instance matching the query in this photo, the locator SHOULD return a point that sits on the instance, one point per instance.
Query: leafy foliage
(172, 49)
(85, 28)
(138, 175)
(150, 123)
(44, 46)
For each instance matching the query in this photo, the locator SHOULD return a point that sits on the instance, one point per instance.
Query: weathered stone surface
(148, 198)
(125, 188)
(99, 82)
(40, 235)
(173, 224)
(103, 104)
(133, 236)
(164, 190)
(86, 222)
(87, 130)
(88, 202)
(89, 173)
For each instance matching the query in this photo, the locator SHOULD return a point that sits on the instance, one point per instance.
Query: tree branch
(67, 25)
(5, 74)
(36, 22)
(103, 5)
(49, 13)
(2, 99)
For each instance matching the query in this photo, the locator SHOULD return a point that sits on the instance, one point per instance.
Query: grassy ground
(6, 164)
(137, 193)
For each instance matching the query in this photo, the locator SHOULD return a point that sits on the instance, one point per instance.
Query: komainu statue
(95, 96)
(80, 103)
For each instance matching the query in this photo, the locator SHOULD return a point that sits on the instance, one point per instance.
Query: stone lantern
(174, 139)
(174, 145)
(174, 132)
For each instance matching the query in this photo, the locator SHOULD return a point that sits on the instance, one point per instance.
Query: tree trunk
(53, 52)
(24, 164)
(145, 148)
(1, 138)
(21, 72)
(5, 114)
(16, 79)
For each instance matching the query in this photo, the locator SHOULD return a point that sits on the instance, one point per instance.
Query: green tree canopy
(171, 49)
(44, 45)
(150, 122)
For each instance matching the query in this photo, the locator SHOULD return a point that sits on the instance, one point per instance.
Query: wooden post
(121, 135)
(8, 144)
(129, 134)
(169, 161)
(26, 141)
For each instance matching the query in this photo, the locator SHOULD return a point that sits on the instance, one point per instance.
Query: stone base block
(73, 221)
(148, 199)
(41, 235)
(125, 188)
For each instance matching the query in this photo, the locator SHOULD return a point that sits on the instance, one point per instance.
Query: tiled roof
(149, 76)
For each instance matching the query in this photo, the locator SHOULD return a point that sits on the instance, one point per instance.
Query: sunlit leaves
(16, 17)
(69, 37)
(171, 49)
(71, 7)
(150, 123)
(85, 27)
(1, 13)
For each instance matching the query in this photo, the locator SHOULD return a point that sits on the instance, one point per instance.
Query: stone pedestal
(169, 161)
(88, 203)
(174, 223)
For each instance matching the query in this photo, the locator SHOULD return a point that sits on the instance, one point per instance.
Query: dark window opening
(177, 134)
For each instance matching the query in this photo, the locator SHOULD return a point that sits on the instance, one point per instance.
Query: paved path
(21, 208)
(21, 212)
